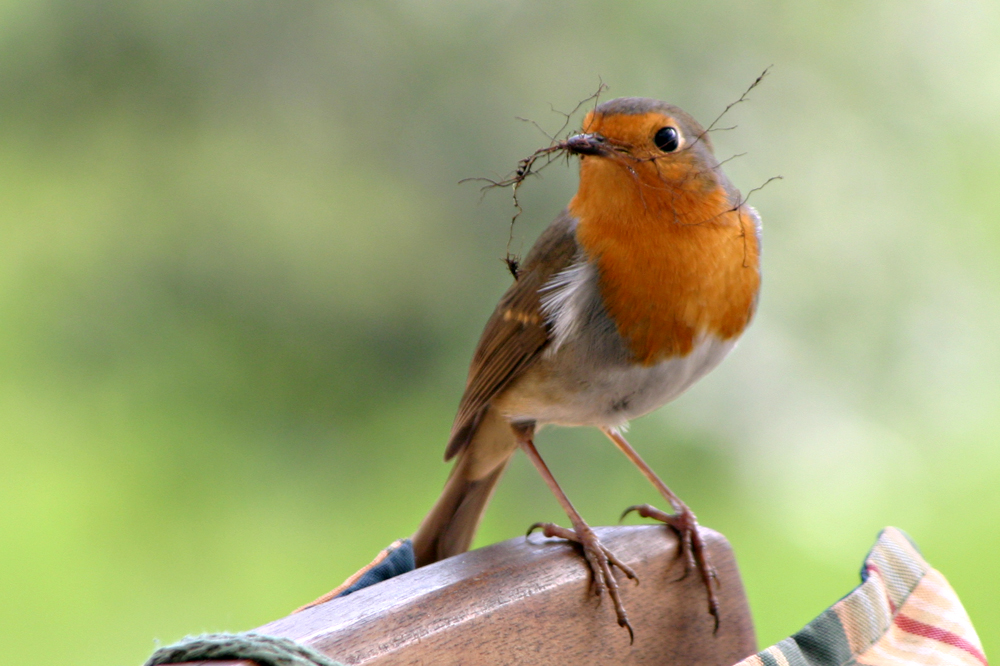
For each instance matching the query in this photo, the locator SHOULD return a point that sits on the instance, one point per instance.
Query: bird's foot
(692, 548)
(600, 560)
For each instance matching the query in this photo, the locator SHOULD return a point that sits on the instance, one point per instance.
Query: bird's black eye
(667, 139)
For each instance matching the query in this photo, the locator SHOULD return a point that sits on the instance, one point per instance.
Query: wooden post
(528, 601)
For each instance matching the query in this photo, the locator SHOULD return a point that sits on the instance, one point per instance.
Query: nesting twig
(743, 98)
(532, 165)
(743, 200)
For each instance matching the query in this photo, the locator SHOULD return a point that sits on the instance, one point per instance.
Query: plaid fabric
(397, 559)
(904, 612)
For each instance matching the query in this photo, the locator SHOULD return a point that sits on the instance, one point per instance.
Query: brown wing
(516, 333)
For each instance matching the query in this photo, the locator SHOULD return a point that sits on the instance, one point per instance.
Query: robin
(638, 288)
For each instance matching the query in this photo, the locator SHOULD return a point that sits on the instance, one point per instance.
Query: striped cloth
(904, 612)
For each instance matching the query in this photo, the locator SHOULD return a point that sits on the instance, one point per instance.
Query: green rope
(263, 649)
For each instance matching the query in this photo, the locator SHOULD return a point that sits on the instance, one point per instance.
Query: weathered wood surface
(528, 601)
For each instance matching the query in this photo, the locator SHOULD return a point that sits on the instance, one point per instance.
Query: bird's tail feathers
(449, 527)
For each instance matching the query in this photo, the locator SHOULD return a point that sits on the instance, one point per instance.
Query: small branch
(530, 166)
(742, 99)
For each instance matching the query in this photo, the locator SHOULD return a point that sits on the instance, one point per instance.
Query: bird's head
(651, 143)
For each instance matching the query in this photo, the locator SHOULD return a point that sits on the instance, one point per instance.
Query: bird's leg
(599, 559)
(683, 521)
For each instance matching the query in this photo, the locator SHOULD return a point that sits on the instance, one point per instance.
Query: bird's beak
(587, 144)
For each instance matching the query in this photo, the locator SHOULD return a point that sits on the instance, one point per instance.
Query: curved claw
(691, 548)
(600, 561)
(535, 526)
(634, 507)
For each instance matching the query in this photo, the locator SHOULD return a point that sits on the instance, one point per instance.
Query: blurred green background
(239, 287)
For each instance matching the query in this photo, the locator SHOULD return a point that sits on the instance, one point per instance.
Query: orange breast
(675, 262)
